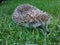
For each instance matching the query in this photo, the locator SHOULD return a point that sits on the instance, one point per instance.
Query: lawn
(13, 34)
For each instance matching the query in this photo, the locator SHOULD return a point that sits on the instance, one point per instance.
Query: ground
(13, 34)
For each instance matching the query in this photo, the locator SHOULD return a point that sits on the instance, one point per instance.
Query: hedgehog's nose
(47, 31)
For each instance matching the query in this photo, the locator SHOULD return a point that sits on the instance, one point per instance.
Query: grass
(13, 34)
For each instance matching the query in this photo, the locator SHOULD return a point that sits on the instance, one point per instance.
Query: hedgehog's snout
(47, 31)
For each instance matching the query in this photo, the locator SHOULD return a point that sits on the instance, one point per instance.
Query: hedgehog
(30, 16)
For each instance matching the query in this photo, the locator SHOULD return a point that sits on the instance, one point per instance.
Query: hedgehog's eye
(31, 22)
